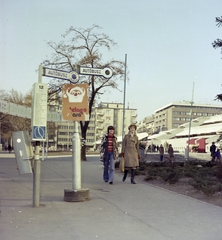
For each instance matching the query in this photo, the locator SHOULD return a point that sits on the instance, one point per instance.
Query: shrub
(206, 176)
(171, 175)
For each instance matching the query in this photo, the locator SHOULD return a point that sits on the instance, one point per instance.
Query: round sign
(74, 77)
(107, 72)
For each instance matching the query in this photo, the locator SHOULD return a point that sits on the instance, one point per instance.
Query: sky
(168, 45)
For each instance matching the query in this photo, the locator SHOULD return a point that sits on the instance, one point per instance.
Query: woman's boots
(132, 176)
(125, 174)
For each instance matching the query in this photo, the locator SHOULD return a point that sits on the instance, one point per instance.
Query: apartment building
(147, 125)
(107, 114)
(175, 114)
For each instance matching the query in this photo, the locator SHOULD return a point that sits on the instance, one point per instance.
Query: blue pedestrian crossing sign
(39, 133)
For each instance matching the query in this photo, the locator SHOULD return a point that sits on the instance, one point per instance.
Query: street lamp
(124, 98)
(191, 112)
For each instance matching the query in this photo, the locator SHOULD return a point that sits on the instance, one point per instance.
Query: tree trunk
(83, 153)
(83, 146)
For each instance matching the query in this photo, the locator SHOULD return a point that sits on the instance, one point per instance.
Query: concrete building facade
(147, 125)
(107, 114)
(175, 114)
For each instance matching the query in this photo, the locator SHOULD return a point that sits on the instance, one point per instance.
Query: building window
(90, 134)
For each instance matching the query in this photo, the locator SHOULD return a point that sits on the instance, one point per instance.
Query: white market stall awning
(205, 129)
(213, 119)
(165, 134)
(142, 135)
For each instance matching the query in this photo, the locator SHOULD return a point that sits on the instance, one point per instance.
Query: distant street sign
(71, 76)
(105, 72)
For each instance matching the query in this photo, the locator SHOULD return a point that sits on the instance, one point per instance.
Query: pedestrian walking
(213, 152)
(218, 155)
(161, 152)
(166, 146)
(109, 151)
(170, 153)
(130, 152)
(9, 148)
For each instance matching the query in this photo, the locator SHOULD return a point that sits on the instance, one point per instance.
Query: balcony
(100, 120)
(100, 113)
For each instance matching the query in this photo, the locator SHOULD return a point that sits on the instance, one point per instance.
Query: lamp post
(124, 98)
(191, 112)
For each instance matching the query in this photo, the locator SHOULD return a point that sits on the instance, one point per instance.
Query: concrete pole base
(80, 195)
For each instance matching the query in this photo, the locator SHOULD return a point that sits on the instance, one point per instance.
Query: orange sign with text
(75, 105)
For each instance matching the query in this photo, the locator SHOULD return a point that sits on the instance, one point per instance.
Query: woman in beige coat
(130, 152)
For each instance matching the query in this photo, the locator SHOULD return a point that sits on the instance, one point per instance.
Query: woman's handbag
(121, 164)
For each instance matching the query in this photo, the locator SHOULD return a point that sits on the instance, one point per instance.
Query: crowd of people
(214, 151)
(167, 148)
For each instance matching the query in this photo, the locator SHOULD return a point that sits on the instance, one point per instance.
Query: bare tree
(84, 47)
(218, 44)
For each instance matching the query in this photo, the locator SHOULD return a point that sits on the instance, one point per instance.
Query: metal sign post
(39, 122)
(76, 173)
(76, 194)
(75, 107)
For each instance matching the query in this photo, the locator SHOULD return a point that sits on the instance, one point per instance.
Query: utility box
(23, 151)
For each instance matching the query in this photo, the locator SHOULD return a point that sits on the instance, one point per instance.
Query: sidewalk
(119, 211)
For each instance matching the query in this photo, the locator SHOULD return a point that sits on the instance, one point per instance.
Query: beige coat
(130, 148)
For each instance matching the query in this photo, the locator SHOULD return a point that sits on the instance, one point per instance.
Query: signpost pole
(37, 164)
(70, 112)
(76, 173)
(76, 194)
(36, 176)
